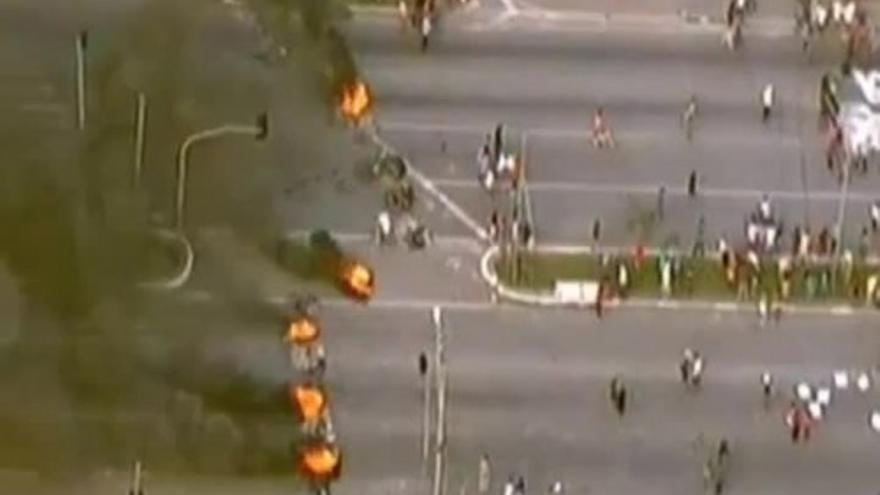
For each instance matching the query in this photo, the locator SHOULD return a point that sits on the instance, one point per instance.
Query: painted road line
(205, 297)
(575, 133)
(427, 184)
(651, 190)
(459, 242)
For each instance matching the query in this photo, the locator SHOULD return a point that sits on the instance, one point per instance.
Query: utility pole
(136, 479)
(140, 118)
(440, 370)
(259, 131)
(81, 40)
(427, 383)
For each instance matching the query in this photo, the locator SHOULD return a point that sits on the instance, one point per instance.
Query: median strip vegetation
(809, 280)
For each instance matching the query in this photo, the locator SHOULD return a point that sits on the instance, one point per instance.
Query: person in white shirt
(765, 208)
(426, 29)
(383, 227)
(767, 96)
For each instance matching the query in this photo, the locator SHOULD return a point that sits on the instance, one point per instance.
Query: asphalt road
(437, 107)
(528, 388)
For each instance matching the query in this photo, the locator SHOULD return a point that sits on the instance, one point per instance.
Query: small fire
(309, 401)
(302, 331)
(358, 280)
(321, 462)
(356, 101)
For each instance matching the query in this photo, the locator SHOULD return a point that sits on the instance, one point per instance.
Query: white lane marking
(652, 189)
(204, 297)
(450, 205)
(583, 134)
(469, 222)
(462, 242)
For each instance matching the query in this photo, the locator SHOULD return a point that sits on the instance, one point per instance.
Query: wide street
(527, 386)
(529, 389)
(544, 85)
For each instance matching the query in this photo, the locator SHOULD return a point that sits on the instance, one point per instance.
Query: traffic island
(573, 276)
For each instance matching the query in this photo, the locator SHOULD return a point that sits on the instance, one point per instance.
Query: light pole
(440, 370)
(259, 131)
(427, 383)
(81, 40)
(135, 488)
(140, 120)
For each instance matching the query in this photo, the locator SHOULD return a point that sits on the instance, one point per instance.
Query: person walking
(617, 394)
(692, 184)
(425, 29)
(423, 364)
(767, 388)
(767, 98)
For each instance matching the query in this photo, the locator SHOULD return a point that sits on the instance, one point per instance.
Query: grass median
(693, 277)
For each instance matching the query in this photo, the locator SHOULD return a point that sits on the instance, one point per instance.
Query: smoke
(96, 374)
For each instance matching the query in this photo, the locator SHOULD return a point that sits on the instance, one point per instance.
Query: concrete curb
(547, 299)
(189, 256)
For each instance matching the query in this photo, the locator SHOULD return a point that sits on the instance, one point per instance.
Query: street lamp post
(440, 370)
(140, 120)
(81, 40)
(259, 131)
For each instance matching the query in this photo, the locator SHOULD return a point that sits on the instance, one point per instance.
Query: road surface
(436, 108)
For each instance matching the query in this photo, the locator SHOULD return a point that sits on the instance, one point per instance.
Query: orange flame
(358, 279)
(302, 331)
(356, 101)
(321, 461)
(310, 401)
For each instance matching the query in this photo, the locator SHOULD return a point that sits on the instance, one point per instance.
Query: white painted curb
(548, 299)
(189, 257)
